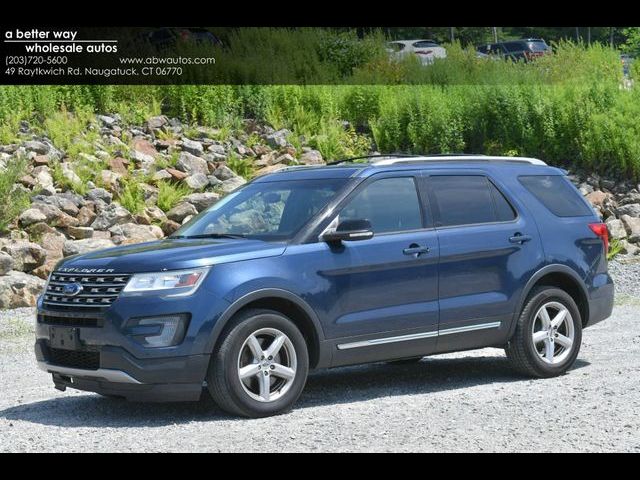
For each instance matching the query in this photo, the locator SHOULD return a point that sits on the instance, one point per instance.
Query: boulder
(18, 289)
(598, 198)
(278, 139)
(169, 226)
(176, 174)
(155, 214)
(119, 165)
(110, 215)
(180, 211)
(39, 148)
(134, 233)
(75, 247)
(96, 194)
(311, 157)
(79, 233)
(26, 255)
(616, 228)
(31, 216)
(629, 248)
(161, 175)
(54, 216)
(232, 183)
(197, 181)
(224, 173)
(202, 200)
(632, 209)
(157, 122)
(53, 242)
(191, 164)
(6, 263)
(192, 147)
(86, 216)
(632, 225)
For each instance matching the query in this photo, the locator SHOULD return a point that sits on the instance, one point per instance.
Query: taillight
(423, 52)
(600, 229)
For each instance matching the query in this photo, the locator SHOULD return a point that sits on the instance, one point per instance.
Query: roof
(348, 168)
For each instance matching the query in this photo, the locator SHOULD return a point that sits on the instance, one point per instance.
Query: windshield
(264, 210)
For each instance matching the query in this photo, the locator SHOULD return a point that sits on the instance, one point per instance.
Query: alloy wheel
(267, 364)
(553, 333)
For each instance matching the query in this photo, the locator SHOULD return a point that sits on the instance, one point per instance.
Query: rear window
(425, 44)
(538, 46)
(557, 194)
(468, 200)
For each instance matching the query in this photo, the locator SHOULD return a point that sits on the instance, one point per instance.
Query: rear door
(489, 247)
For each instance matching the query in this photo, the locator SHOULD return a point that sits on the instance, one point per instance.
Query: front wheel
(260, 366)
(548, 334)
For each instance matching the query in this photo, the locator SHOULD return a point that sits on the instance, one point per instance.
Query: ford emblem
(72, 289)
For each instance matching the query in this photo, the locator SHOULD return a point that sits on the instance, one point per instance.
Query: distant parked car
(171, 36)
(525, 49)
(426, 50)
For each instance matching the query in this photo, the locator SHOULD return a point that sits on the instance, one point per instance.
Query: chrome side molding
(417, 336)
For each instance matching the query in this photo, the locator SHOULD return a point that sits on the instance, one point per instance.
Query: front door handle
(519, 238)
(415, 250)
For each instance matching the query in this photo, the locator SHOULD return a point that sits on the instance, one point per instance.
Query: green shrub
(14, 200)
(241, 166)
(131, 196)
(170, 194)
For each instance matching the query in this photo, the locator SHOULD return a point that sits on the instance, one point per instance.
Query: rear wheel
(260, 366)
(548, 334)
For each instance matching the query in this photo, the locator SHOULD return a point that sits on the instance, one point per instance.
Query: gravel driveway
(468, 401)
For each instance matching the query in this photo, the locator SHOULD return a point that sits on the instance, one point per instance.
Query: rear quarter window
(557, 194)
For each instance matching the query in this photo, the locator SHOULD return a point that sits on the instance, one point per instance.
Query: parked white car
(426, 50)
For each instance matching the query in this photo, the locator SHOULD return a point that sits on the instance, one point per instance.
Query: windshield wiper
(212, 235)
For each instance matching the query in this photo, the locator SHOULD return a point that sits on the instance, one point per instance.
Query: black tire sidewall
(237, 337)
(547, 295)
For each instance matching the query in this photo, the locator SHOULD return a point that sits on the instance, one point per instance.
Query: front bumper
(120, 365)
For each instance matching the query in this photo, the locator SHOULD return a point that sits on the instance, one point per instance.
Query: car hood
(170, 254)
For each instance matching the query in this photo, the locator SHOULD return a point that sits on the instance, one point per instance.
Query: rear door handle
(519, 238)
(415, 250)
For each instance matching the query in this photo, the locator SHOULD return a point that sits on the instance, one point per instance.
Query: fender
(268, 293)
(552, 268)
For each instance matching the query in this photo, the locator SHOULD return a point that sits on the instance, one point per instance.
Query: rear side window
(467, 200)
(557, 194)
(390, 204)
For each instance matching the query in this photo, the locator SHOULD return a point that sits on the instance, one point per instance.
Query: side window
(504, 210)
(390, 204)
(468, 200)
(557, 194)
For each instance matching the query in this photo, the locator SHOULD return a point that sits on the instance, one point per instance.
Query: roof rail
(459, 158)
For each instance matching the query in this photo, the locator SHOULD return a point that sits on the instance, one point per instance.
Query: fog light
(161, 331)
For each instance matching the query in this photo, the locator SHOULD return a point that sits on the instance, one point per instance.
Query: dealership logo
(72, 289)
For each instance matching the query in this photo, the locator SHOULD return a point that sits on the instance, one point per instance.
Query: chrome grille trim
(98, 290)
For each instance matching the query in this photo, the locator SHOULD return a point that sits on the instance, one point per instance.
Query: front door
(379, 297)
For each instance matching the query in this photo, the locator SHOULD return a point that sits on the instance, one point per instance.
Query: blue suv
(317, 267)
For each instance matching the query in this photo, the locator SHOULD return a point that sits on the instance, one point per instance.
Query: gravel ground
(469, 401)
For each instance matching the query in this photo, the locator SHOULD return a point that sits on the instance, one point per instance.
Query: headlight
(172, 283)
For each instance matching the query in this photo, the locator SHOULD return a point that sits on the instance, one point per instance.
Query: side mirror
(350, 231)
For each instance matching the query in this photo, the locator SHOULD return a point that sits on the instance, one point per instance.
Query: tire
(547, 353)
(252, 331)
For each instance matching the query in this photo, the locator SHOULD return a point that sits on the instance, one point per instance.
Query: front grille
(98, 291)
(69, 321)
(74, 358)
